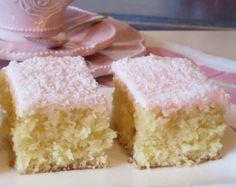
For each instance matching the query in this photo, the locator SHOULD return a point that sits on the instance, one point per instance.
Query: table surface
(168, 14)
(219, 43)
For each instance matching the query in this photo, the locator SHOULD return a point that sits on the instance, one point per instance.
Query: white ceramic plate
(121, 173)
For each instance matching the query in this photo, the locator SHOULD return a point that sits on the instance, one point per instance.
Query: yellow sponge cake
(59, 119)
(166, 112)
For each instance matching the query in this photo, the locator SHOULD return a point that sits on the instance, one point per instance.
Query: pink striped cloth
(216, 71)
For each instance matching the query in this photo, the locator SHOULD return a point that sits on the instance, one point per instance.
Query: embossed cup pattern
(31, 17)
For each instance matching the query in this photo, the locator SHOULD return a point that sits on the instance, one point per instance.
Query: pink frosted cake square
(60, 120)
(166, 112)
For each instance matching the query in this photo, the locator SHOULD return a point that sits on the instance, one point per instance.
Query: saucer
(122, 41)
(84, 43)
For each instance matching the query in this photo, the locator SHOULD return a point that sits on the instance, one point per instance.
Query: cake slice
(59, 119)
(166, 112)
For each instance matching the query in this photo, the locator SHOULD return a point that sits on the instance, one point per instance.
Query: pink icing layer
(46, 83)
(167, 84)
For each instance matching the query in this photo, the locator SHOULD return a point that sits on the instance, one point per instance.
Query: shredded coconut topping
(167, 84)
(46, 83)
